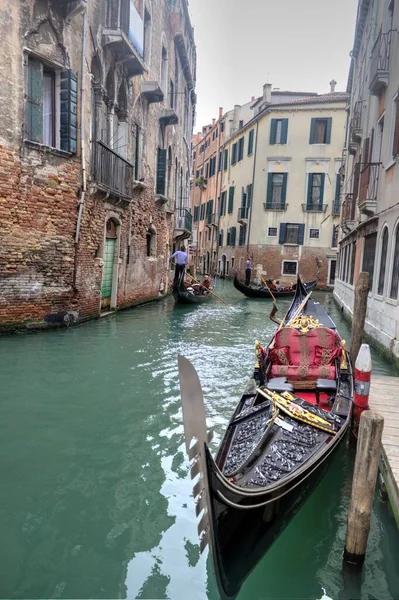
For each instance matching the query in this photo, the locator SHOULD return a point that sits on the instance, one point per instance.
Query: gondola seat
(305, 356)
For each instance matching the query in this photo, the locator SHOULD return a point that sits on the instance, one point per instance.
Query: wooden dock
(384, 399)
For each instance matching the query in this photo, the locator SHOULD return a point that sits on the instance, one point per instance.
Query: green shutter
(233, 236)
(249, 195)
(228, 238)
(310, 189)
(161, 171)
(231, 200)
(273, 129)
(269, 195)
(301, 234)
(210, 208)
(69, 111)
(323, 177)
(284, 131)
(284, 190)
(312, 131)
(234, 154)
(34, 129)
(328, 130)
(240, 149)
(337, 187)
(226, 159)
(251, 142)
(283, 233)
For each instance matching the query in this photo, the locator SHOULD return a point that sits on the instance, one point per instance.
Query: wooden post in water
(363, 486)
(359, 313)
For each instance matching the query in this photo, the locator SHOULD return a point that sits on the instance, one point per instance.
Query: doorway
(108, 267)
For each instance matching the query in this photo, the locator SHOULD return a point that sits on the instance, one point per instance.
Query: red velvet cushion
(303, 373)
(326, 356)
(280, 356)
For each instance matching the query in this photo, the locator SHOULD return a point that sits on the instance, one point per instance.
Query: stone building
(96, 121)
(370, 209)
(280, 194)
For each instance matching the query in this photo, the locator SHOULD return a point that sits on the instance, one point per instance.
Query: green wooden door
(108, 268)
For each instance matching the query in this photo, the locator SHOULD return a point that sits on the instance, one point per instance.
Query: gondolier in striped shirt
(181, 262)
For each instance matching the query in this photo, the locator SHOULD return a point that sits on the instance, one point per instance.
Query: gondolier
(181, 262)
(248, 271)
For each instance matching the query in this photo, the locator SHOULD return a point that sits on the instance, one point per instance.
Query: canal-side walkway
(383, 399)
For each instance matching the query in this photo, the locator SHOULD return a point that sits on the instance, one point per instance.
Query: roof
(318, 99)
(290, 93)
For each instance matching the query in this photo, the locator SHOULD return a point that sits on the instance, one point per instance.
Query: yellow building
(280, 195)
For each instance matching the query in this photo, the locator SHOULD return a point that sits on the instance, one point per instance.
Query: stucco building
(95, 152)
(370, 209)
(280, 195)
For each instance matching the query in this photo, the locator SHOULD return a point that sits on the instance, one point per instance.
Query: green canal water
(95, 496)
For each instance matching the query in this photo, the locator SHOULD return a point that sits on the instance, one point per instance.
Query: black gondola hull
(250, 292)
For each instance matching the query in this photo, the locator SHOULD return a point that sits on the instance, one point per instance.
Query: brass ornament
(304, 323)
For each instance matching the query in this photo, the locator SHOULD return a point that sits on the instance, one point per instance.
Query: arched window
(383, 262)
(151, 241)
(395, 269)
(164, 71)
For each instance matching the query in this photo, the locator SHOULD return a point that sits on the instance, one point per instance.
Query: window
(337, 204)
(232, 263)
(234, 154)
(207, 170)
(395, 120)
(222, 127)
(334, 241)
(137, 146)
(292, 233)
(272, 232)
(251, 141)
(383, 262)
(151, 240)
(276, 190)
(196, 213)
(172, 97)
(240, 149)
(320, 131)
(223, 204)
(161, 171)
(231, 200)
(314, 234)
(202, 212)
(352, 266)
(221, 238)
(232, 236)
(220, 160)
(289, 267)
(395, 270)
(226, 160)
(278, 131)
(147, 39)
(164, 70)
(332, 267)
(243, 235)
(315, 191)
(240, 124)
(370, 242)
(51, 107)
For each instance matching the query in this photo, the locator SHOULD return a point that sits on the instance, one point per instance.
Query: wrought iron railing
(380, 55)
(112, 171)
(369, 175)
(314, 207)
(183, 220)
(348, 208)
(275, 206)
(243, 213)
(336, 207)
(356, 121)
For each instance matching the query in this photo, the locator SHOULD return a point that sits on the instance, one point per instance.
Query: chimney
(267, 92)
(252, 98)
(220, 112)
(213, 122)
(333, 83)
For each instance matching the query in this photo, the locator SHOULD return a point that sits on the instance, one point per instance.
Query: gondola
(290, 420)
(251, 292)
(182, 296)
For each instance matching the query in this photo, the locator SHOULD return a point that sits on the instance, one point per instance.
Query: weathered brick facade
(55, 208)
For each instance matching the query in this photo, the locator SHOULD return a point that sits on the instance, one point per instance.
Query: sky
(299, 45)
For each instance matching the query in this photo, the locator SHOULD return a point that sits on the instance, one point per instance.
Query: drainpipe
(253, 185)
(82, 147)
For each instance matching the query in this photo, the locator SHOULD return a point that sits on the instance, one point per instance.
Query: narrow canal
(95, 498)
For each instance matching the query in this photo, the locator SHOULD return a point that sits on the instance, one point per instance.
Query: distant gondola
(183, 296)
(251, 292)
(290, 420)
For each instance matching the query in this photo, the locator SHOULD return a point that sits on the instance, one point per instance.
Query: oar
(210, 291)
(270, 292)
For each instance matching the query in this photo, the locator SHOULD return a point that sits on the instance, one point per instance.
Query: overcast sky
(300, 45)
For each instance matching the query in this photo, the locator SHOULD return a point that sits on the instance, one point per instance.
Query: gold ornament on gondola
(304, 323)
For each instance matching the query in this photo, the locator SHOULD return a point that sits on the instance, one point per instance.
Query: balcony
(356, 129)
(353, 147)
(336, 207)
(111, 172)
(178, 33)
(348, 213)
(183, 223)
(369, 175)
(168, 116)
(242, 216)
(152, 91)
(124, 36)
(280, 206)
(379, 63)
(314, 207)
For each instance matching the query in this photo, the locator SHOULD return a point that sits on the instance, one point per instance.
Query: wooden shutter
(310, 189)
(161, 171)
(220, 161)
(240, 149)
(210, 208)
(233, 233)
(228, 238)
(269, 195)
(35, 101)
(283, 233)
(221, 238)
(249, 195)
(312, 131)
(337, 188)
(284, 131)
(69, 111)
(226, 159)
(322, 182)
(231, 200)
(251, 141)
(301, 233)
(273, 129)
(284, 190)
(328, 130)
